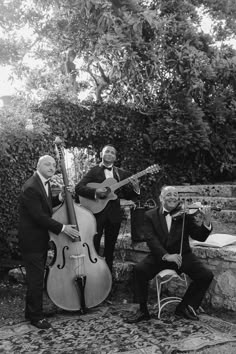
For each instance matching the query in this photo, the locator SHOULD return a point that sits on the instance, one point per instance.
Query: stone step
(224, 216)
(224, 221)
(225, 203)
(223, 227)
(212, 190)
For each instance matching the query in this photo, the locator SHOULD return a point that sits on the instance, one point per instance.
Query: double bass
(78, 277)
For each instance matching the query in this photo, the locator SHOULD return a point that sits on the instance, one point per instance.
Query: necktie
(107, 168)
(47, 187)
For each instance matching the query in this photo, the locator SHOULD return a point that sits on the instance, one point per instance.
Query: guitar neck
(126, 180)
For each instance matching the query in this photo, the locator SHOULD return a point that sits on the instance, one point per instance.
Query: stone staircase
(223, 196)
(221, 260)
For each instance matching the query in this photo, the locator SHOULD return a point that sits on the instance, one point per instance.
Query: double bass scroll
(78, 278)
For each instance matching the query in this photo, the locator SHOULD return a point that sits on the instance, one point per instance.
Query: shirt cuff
(60, 197)
(208, 227)
(63, 228)
(164, 257)
(136, 189)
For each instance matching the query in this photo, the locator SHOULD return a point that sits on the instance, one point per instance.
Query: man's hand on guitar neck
(102, 193)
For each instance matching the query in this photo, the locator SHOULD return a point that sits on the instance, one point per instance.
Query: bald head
(169, 197)
(46, 166)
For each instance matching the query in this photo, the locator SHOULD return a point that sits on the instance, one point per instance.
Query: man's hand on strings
(71, 231)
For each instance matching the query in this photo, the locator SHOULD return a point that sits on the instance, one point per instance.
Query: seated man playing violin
(167, 236)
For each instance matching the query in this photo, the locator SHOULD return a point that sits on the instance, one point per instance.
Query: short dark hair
(110, 146)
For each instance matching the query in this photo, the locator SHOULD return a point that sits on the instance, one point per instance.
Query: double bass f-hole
(63, 258)
(89, 254)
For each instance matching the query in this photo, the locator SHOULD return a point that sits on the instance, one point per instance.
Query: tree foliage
(121, 45)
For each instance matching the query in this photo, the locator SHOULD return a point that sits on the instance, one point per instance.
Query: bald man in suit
(36, 208)
(163, 233)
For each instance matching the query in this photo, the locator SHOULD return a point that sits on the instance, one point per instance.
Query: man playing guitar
(94, 191)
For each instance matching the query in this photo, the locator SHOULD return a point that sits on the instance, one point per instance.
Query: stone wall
(222, 262)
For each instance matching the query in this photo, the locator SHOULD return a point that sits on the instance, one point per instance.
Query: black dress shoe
(45, 314)
(138, 317)
(186, 312)
(41, 324)
(193, 312)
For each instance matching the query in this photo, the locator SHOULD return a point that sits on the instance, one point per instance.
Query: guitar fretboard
(125, 181)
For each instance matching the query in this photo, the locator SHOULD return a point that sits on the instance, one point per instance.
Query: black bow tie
(166, 213)
(107, 168)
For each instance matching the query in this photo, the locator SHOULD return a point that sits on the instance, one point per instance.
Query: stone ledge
(226, 253)
(212, 190)
(226, 203)
(222, 262)
(223, 222)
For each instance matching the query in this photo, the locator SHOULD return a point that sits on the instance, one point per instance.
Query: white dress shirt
(168, 219)
(108, 173)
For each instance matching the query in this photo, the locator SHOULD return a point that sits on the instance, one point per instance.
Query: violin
(190, 209)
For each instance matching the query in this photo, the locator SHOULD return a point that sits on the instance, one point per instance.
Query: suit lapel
(163, 221)
(42, 189)
(159, 222)
(116, 174)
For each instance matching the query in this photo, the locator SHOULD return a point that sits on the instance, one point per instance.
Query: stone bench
(222, 262)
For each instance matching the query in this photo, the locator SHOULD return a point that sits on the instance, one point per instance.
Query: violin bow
(182, 233)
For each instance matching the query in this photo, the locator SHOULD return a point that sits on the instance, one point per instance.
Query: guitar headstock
(153, 169)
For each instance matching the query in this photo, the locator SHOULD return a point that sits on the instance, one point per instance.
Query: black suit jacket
(96, 175)
(35, 209)
(160, 241)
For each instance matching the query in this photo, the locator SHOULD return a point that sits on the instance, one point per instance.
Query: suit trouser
(200, 275)
(35, 267)
(111, 232)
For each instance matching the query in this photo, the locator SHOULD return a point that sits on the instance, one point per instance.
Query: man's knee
(139, 270)
(143, 271)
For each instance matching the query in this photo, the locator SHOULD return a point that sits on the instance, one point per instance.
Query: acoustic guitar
(111, 185)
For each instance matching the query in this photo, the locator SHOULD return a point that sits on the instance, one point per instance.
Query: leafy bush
(20, 150)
